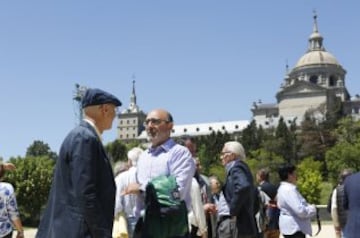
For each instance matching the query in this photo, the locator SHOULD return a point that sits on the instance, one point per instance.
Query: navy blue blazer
(352, 204)
(82, 196)
(239, 192)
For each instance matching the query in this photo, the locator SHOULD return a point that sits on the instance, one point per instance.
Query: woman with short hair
(295, 212)
(9, 213)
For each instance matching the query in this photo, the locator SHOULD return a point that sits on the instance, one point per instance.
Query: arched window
(314, 79)
(332, 81)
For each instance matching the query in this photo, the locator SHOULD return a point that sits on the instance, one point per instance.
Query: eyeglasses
(154, 121)
(225, 152)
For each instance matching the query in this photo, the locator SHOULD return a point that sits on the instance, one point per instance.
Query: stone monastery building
(315, 85)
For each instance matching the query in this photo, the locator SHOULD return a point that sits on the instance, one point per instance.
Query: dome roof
(316, 57)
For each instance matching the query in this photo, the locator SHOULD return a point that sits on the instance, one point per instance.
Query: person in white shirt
(126, 203)
(295, 212)
(197, 219)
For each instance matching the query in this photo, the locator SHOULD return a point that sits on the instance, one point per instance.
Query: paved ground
(327, 231)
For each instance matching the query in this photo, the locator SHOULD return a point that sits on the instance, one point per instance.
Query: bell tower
(131, 120)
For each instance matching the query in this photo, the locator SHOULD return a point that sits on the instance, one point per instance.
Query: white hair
(134, 154)
(236, 148)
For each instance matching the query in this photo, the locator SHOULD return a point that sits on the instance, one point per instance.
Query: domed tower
(314, 84)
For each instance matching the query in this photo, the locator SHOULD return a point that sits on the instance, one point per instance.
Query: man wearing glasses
(239, 193)
(164, 157)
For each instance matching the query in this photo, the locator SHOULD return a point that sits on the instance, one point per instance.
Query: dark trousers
(298, 234)
(194, 230)
(8, 235)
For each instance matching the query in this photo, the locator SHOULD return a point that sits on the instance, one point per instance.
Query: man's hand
(210, 208)
(132, 188)
(20, 234)
(204, 235)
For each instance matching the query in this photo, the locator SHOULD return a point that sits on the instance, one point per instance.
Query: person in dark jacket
(337, 210)
(82, 196)
(272, 211)
(239, 192)
(352, 204)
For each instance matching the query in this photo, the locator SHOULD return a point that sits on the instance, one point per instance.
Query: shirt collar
(166, 146)
(229, 165)
(94, 126)
(288, 184)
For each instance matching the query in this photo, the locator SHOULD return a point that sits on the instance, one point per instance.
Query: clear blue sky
(203, 60)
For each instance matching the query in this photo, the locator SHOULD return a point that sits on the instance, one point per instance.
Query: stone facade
(313, 86)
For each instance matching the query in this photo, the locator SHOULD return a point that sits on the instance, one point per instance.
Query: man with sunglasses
(164, 157)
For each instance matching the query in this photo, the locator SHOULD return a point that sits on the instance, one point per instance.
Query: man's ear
(170, 125)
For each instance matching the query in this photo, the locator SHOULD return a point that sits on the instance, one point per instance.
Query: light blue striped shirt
(169, 158)
(222, 206)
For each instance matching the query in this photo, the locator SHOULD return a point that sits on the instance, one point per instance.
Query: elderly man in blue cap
(82, 196)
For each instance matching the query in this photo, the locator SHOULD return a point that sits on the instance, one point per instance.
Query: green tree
(211, 164)
(261, 158)
(348, 130)
(252, 136)
(343, 155)
(209, 148)
(285, 141)
(311, 139)
(32, 181)
(310, 179)
(116, 151)
(39, 148)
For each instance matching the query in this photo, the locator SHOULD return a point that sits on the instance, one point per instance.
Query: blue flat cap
(95, 96)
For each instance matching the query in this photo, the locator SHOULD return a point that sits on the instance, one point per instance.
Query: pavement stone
(327, 231)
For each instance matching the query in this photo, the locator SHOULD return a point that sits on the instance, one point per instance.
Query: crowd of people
(160, 192)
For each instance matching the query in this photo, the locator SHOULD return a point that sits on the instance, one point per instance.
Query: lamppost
(79, 93)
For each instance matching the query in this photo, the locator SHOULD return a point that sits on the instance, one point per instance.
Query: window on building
(332, 81)
(314, 79)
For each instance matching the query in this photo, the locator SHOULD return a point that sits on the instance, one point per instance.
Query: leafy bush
(310, 179)
(32, 181)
